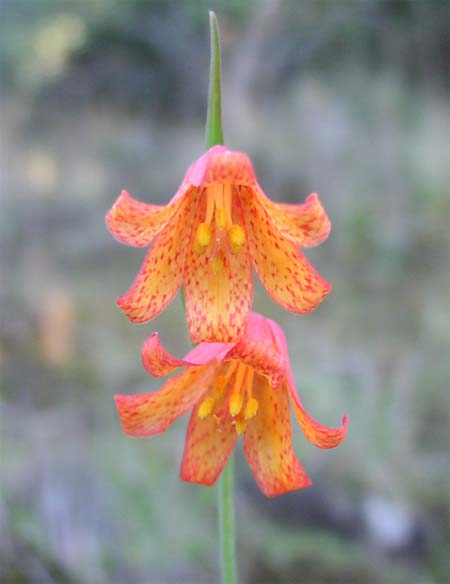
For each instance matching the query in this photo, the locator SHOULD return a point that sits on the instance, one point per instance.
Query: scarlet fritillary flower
(217, 226)
(233, 388)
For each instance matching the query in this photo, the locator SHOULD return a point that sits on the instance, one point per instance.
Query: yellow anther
(251, 408)
(236, 236)
(221, 218)
(206, 407)
(202, 237)
(236, 403)
(217, 264)
(240, 426)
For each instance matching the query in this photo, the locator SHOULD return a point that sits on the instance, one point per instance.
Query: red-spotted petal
(206, 450)
(151, 413)
(136, 223)
(306, 224)
(257, 348)
(320, 435)
(159, 362)
(217, 302)
(268, 444)
(284, 271)
(220, 165)
(162, 272)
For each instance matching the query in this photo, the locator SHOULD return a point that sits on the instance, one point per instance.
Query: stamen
(221, 218)
(240, 426)
(220, 385)
(227, 201)
(231, 369)
(237, 395)
(206, 407)
(202, 237)
(251, 408)
(236, 237)
(210, 203)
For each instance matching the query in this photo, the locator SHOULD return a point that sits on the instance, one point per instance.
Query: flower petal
(136, 223)
(151, 413)
(217, 304)
(284, 271)
(306, 224)
(268, 444)
(206, 450)
(321, 436)
(220, 165)
(162, 272)
(156, 360)
(257, 348)
(159, 362)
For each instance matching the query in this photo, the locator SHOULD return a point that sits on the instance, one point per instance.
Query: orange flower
(219, 224)
(233, 388)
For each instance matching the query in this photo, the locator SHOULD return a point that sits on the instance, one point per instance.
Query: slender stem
(214, 132)
(226, 525)
(214, 135)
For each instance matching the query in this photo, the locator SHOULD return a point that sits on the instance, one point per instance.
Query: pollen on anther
(236, 236)
(203, 236)
(206, 407)
(240, 426)
(236, 402)
(251, 408)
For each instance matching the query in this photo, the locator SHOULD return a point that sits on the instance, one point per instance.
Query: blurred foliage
(348, 99)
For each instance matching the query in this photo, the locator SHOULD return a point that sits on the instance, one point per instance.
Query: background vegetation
(348, 98)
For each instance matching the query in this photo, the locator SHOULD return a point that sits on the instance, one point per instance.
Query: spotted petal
(306, 224)
(159, 362)
(136, 223)
(284, 271)
(147, 414)
(258, 349)
(217, 303)
(162, 272)
(268, 444)
(320, 435)
(206, 450)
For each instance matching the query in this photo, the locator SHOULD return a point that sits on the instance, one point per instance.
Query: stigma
(218, 232)
(231, 397)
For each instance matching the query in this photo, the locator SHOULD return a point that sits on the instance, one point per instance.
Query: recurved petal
(217, 300)
(258, 349)
(136, 223)
(162, 272)
(305, 224)
(321, 436)
(157, 360)
(206, 450)
(151, 413)
(284, 271)
(268, 444)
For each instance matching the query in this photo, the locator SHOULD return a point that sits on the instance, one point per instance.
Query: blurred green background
(348, 98)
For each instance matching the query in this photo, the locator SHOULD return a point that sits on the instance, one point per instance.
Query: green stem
(214, 135)
(226, 525)
(214, 132)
